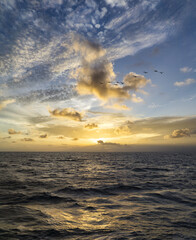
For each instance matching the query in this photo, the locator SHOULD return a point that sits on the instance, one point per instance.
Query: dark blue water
(97, 196)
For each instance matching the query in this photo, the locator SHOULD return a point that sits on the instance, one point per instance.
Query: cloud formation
(12, 131)
(124, 129)
(74, 139)
(134, 81)
(60, 137)
(27, 140)
(117, 3)
(188, 81)
(91, 125)
(96, 76)
(179, 133)
(53, 93)
(68, 113)
(136, 99)
(43, 136)
(118, 106)
(90, 51)
(107, 143)
(4, 103)
(186, 69)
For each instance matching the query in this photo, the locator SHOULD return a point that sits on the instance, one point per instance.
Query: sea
(61, 195)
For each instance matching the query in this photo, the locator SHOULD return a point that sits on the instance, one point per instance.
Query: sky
(87, 75)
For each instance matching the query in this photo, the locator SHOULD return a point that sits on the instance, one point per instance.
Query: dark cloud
(179, 133)
(75, 139)
(43, 136)
(27, 139)
(6, 137)
(96, 75)
(68, 113)
(108, 143)
(91, 125)
(60, 137)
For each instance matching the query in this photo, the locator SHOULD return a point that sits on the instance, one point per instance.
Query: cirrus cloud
(4, 103)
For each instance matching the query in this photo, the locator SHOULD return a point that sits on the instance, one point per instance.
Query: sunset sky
(108, 75)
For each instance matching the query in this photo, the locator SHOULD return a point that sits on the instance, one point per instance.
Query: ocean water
(97, 196)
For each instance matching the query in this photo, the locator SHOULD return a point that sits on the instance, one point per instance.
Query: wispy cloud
(118, 106)
(185, 83)
(54, 93)
(4, 103)
(136, 99)
(185, 69)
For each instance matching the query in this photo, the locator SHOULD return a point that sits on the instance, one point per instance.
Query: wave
(50, 233)
(39, 198)
(111, 190)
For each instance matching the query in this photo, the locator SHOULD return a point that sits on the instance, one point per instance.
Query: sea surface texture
(97, 196)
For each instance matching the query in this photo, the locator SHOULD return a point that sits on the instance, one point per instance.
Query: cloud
(155, 125)
(68, 113)
(124, 129)
(107, 143)
(90, 51)
(4, 103)
(43, 136)
(27, 140)
(51, 94)
(134, 81)
(136, 99)
(186, 82)
(96, 76)
(186, 69)
(12, 131)
(60, 137)
(179, 133)
(118, 106)
(74, 139)
(117, 3)
(6, 137)
(91, 125)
